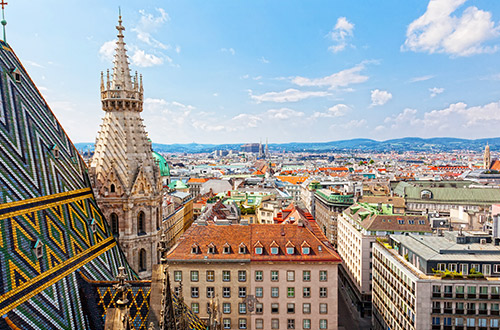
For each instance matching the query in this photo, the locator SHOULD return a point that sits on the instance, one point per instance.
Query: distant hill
(397, 145)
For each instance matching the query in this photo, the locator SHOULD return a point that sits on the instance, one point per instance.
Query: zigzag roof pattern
(50, 225)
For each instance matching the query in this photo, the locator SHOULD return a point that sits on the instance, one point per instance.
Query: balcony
(448, 310)
(436, 311)
(459, 311)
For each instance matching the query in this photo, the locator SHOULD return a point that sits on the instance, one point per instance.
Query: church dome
(162, 162)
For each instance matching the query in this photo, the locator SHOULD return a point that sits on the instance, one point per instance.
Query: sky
(231, 71)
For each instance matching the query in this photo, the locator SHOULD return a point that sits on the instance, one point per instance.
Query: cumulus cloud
(380, 97)
(150, 23)
(406, 117)
(337, 110)
(247, 120)
(439, 31)
(142, 59)
(283, 113)
(435, 91)
(339, 79)
(340, 34)
(107, 50)
(355, 124)
(228, 50)
(289, 95)
(264, 60)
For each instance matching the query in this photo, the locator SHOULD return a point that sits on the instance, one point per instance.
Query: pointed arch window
(142, 260)
(112, 188)
(141, 223)
(114, 224)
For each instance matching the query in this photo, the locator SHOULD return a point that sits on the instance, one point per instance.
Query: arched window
(141, 223)
(157, 219)
(142, 260)
(114, 225)
(112, 188)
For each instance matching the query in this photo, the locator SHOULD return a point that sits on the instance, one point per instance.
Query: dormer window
(38, 248)
(55, 151)
(258, 250)
(93, 225)
(226, 249)
(211, 248)
(274, 248)
(242, 249)
(16, 74)
(306, 250)
(195, 249)
(290, 248)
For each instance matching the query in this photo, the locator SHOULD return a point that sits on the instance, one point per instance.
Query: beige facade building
(126, 178)
(259, 276)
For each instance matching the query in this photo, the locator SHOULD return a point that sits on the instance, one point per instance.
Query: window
(322, 292)
(471, 290)
(194, 292)
(436, 289)
(275, 308)
(242, 323)
(242, 275)
(290, 292)
(226, 323)
(275, 323)
(177, 290)
(274, 292)
(259, 275)
(226, 292)
(211, 248)
(226, 249)
(242, 292)
(226, 308)
(464, 269)
(452, 267)
(194, 276)
(259, 292)
(290, 250)
(226, 275)
(141, 223)
(290, 308)
(142, 260)
(290, 324)
(274, 250)
(494, 323)
(210, 275)
(274, 275)
(487, 270)
(459, 289)
(306, 275)
(481, 322)
(242, 308)
(259, 308)
(195, 307)
(442, 267)
(306, 308)
(306, 323)
(306, 250)
(210, 292)
(323, 308)
(290, 275)
(259, 324)
(195, 249)
(258, 250)
(471, 322)
(306, 292)
(177, 276)
(243, 250)
(323, 275)
(323, 324)
(114, 224)
(497, 268)
(436, 321)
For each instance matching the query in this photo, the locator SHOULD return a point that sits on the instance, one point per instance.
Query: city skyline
(226, 72)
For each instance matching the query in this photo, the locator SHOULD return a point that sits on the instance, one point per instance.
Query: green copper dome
(164, 168)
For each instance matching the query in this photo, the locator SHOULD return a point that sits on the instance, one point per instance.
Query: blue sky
(239, 71)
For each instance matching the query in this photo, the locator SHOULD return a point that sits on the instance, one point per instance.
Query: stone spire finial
(121, 288)
(121, 71)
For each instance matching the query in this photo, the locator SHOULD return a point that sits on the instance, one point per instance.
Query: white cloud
(435, 91)
(33, 63)
(339, 79)
(380, 97)
(438, 31)
(340, 34)
(264, 60)
(463, 115)
(178, 49)
(337, 110)
(289, 95)
(247, 120)
(142, 59)
(283, 113)
(150, 23)
(421, 78)
(228, 50)
(404, 118)
(355, 124)
(107, 50)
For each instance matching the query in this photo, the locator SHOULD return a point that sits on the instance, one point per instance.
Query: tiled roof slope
(204, 236)
(50, 224)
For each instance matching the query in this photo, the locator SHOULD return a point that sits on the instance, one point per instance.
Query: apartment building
(438, 282)
(261, 276)
(358, 228)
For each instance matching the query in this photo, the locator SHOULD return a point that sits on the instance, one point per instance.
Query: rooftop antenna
(4, 22)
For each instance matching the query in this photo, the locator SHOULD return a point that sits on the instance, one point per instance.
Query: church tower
(126, 177)
(487, 158)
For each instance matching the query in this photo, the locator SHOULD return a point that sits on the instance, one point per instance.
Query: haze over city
(235, 71)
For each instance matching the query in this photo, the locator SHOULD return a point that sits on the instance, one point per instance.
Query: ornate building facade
(126, 177)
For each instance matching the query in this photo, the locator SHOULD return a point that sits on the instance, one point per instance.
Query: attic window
(93, 225)
(226, 249)
(211, 248)
(242, 249)
(16, 74)
(306, 250)
(290, 250)
(195, 249)
(274, 250)
(426, 194)
(258, 250)
(55, 151)
(38, 248)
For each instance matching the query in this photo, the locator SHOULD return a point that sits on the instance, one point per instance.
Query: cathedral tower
(487, 158)
(126, 177)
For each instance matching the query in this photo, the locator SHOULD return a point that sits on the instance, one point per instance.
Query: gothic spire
(121, 71)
